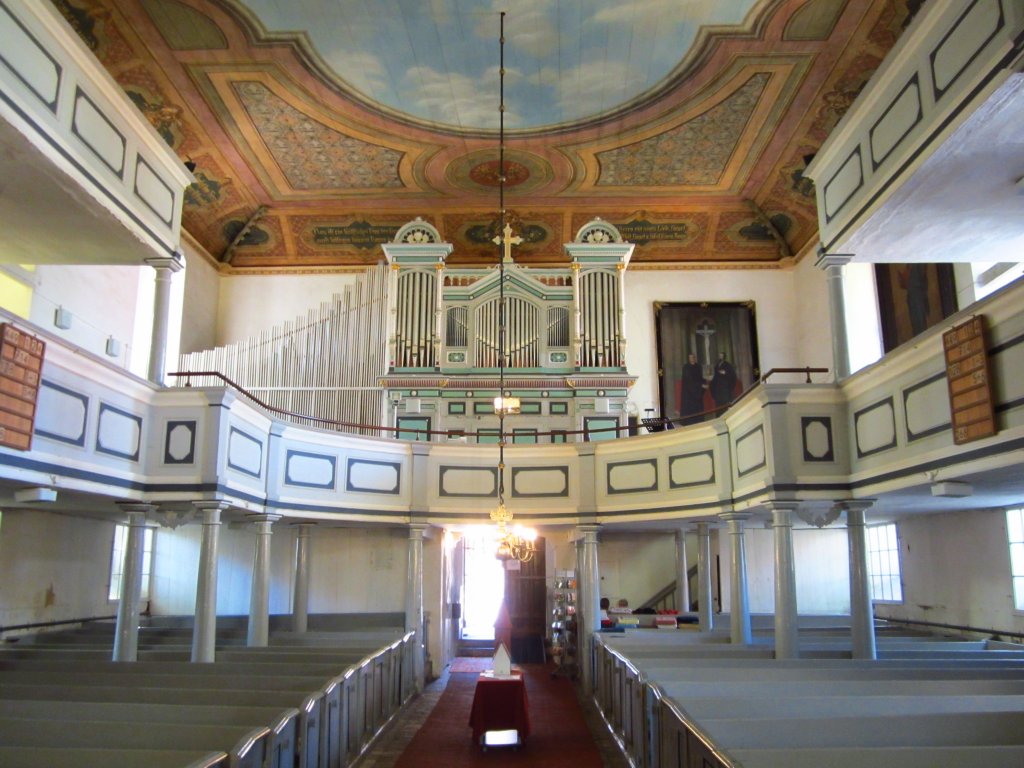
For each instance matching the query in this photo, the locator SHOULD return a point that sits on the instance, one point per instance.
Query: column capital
(734, 517)
(211, 510)
(826, 260)
(418, 530)
(171, 263)
(135, 508)
(305, 528)
(262, 518)
(854, 509)
(588, 533)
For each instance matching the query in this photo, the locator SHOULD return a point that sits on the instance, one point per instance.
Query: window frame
(1015, 556)
(887, 581)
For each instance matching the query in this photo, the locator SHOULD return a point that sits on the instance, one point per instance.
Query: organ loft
(565, 341)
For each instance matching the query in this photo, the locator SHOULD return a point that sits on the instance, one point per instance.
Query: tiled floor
(393, 741)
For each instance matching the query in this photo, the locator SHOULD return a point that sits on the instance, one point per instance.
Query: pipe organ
(564, 340)
(415, 345)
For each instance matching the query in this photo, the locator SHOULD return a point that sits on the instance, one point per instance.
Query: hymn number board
(970, 391)
(21, 363)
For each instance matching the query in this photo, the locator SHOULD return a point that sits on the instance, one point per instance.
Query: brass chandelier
(514, 542)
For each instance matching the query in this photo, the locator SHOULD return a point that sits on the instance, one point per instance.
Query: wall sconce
(62, 318)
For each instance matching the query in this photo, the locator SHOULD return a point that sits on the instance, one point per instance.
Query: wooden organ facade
(564, 341)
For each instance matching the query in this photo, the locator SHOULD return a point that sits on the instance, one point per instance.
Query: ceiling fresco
(318, 128)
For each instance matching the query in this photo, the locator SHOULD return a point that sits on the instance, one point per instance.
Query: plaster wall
(822, 563)
(201, 303)
(352, 570)
(104, 302)
(780, 314)
(956, 570)
(635, 566)
(53, 567)
(249, 304)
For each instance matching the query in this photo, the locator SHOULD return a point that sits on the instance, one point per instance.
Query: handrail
(806, 371)
(688, 420)
(957, 627)
(57, 623)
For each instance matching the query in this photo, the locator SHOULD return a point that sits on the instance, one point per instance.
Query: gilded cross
(508, 241)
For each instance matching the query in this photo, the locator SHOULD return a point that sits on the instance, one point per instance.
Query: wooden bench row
(693, 700)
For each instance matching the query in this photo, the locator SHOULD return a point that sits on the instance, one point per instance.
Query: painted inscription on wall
(358, 234)
(967, 374)
(21, 363)
(641, 231)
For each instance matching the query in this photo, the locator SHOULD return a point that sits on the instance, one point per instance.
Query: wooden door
(526, 599)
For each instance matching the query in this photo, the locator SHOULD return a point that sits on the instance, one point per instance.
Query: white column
(705, 611)
(259, 595)
(414, 600)
(787, 641)
(165, 269)
(833, 264)
(682, 573)
(300, 597)
(862, 620)
(126, 637)
(739, 610)
(204, 632)
(588, 614)
(577, 317)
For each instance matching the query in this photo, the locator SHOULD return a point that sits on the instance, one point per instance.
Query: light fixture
(514, 542)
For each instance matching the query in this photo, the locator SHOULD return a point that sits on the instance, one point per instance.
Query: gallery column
(414, 600)
(165, 269)
(300, 597)
(204, 631)
(739, 610)
(682, 573)
(259, 594)
(705, 612)
(589, 622)
(833, 264)
(862, 620)
(126, 637)
(787, 640)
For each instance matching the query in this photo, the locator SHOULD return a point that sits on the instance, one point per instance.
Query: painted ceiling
(319, 127)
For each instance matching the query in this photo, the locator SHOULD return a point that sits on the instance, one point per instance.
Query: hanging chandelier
(514, 542)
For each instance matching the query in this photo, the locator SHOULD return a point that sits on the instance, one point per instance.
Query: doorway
(483, 585)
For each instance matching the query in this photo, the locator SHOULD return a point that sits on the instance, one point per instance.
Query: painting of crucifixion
(707, 356)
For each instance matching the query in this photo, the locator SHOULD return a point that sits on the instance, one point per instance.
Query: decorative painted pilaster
(705, 612)
(739, 610)
(204, 632)
(589, 612)
(787, 640)
(300, 596)
(833, 264)
(862, 620)
(682, 573)
(259, 595)
(414, 600)
(126, 637)
(165, 269)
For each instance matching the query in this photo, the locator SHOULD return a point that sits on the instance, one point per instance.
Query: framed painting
(912, 298)
(707, 356)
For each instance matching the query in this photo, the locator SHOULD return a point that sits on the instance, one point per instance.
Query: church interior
(357, 336)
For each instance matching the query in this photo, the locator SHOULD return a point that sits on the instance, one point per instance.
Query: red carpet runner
(559, 739)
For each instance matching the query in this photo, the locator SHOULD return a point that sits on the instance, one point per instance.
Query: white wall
(249, 304)
(352, 570)
(635, 566)
(201, 304)
(53, 567)
(822, 564)
(786, 317)
(104, 301)
(956, 570)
